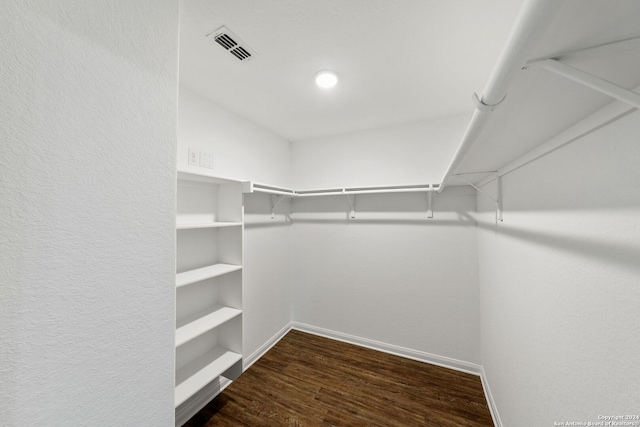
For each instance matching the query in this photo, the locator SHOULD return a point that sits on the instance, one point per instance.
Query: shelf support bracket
(352, 205)
(430, 202)
(275, 200)
(497, 200)
(601, 85)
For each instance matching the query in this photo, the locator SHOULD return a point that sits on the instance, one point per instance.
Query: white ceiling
(398, 60)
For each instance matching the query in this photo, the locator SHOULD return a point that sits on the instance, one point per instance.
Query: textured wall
(87, 205)
(559, 283)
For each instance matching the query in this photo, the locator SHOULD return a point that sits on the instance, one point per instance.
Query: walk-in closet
(328, 212)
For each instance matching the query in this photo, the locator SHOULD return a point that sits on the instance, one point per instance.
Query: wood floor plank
(307, 380)
(373, 409)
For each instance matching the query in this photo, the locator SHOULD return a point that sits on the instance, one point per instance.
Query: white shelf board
(204, 273)
(256, 187)
(251, 187)
(187, 226)
(194, 173)
(203, 321)
(202, 371)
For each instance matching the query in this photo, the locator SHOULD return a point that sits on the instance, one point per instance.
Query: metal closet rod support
(594, 82)
(497, 200)
(275, 200)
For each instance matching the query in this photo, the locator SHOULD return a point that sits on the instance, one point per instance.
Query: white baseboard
(421, 356)
(265, 347)
(492, 404)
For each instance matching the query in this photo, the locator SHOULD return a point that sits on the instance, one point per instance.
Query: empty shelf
(202, 371)
(190, 173)
(187, 226)
(199, 323)
(200, 274)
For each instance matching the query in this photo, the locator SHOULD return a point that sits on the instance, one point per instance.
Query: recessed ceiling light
(326, 79)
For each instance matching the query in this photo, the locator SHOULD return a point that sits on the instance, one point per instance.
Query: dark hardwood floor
(306, 380)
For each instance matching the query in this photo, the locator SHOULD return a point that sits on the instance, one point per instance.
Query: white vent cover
(232, 44)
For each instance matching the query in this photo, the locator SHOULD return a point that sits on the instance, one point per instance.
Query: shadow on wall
(258, 209)
(612, 252)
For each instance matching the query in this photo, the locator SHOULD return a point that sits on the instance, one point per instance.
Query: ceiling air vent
(232, 44)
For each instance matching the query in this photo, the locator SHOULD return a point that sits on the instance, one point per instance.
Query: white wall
(411, 153)
(87, 209)
(559, 283)
(241, 149)
(390, 275)
(267, 284)
(244, 150)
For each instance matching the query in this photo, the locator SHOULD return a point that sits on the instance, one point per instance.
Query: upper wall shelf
(280, 193)
(254, 187)
(566, 69)
(198, 174)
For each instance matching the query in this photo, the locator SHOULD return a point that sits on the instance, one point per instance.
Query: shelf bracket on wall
(352, 205)
(430, 201)
(497, 200)
(275, 200)
(597, 83)
(499, 196)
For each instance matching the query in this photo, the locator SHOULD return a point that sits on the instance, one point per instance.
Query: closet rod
(530, 24)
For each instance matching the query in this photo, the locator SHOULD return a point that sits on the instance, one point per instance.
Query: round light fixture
(326, 79)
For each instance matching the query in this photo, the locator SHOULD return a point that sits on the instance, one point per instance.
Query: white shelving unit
(209, 235)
